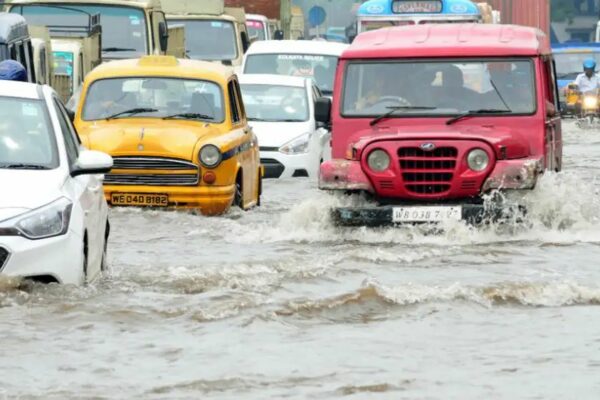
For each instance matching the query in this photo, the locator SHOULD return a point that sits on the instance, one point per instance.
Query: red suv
(428, 119)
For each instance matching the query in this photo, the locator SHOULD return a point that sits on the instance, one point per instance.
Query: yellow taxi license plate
(139, 199)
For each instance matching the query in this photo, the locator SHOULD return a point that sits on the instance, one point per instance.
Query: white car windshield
(217, 42)
(438, 87)
(275, 103)
(27, 140)
(154, 97)
(318, 67)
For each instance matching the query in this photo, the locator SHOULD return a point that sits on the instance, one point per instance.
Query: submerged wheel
(260, 182)
(238, 200)
(104, 262)
(85, 260)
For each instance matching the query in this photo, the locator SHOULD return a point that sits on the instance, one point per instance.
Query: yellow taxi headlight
(210, 156)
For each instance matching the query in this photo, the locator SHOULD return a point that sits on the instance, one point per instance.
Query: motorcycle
(588, 115)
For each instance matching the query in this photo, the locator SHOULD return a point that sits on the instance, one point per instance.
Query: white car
(53, 215)
(309, 59)
(281, 112)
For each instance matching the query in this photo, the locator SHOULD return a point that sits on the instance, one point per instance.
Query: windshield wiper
(471, 113)
(117, 49)
(189, 116)
(23, 166)
(398, 108)
(131, 111)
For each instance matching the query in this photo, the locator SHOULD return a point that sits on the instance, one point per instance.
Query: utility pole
(285, 10)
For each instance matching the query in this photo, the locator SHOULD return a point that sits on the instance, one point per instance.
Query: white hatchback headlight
(478, 160)
(44, 222)
(298, 145)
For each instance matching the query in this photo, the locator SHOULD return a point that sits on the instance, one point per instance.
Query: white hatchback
(53, 215)
(281, 111)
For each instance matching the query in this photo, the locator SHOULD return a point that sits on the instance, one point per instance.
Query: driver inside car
(110, 100)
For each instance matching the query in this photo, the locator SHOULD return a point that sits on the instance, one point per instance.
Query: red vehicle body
(429, 154)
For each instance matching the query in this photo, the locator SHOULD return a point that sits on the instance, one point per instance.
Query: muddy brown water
(276, 303)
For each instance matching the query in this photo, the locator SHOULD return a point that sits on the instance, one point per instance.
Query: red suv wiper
(471, 113)
(393, 109)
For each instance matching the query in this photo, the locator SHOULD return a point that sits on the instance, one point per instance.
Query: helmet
(590, 63)
(11, 70)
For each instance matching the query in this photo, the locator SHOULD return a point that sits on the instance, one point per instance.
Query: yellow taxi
(177, 132)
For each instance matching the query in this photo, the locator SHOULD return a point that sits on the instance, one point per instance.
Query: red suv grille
(427, 172)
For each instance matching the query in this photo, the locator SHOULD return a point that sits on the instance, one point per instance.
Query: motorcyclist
(588, 81)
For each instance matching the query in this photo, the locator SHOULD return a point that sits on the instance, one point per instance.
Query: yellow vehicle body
(147, 150)
(572, 96)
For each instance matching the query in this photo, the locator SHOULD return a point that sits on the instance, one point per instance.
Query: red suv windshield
(432, 88)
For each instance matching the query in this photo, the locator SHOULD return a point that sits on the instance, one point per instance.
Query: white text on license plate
(427, 214)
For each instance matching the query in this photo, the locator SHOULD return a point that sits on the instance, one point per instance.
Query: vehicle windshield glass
(318, 67)
(438, 87)
(256, 29)
(26, 136)
(108, 97)
(275, 103)
(123, 28)
(217, 42)
(569, 65)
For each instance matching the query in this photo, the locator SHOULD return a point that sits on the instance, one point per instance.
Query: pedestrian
(11, 70)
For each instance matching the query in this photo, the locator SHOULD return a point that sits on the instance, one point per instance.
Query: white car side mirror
(92, 162)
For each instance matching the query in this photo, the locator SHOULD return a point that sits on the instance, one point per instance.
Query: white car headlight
(44, 222)
(298, 145)
(210, 156)
(478, 160)
(590, 102)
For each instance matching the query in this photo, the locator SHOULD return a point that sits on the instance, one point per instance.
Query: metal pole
(285, 9)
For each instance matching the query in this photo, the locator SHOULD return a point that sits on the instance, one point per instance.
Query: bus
(375, 14)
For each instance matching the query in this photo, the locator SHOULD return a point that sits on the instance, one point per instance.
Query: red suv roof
(449, 40)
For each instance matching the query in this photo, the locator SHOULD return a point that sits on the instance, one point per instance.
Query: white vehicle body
(256, 22)
(53, 220)
(290, 48)
(288, 149)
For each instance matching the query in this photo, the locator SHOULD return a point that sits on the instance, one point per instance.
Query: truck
(15, 43)
(42, 55)
(441, 123)
(258, 27)
(130, 28)
(213, 32)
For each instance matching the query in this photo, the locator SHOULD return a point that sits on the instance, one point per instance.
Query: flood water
(276, 303)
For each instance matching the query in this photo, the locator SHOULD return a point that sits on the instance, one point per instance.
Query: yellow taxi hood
(147, 138)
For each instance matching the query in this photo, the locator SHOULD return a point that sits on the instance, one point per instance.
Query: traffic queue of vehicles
(424, 121)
